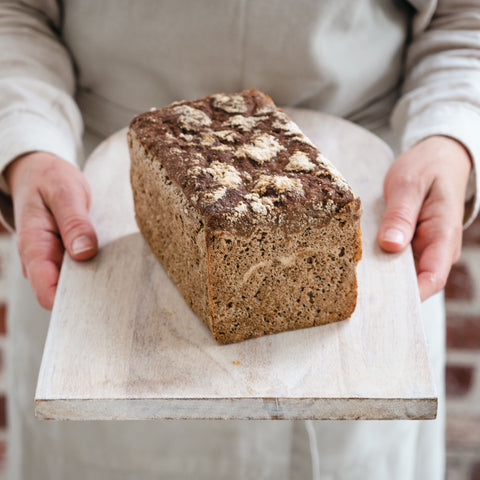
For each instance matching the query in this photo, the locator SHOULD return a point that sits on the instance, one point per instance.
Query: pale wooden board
(122, 343)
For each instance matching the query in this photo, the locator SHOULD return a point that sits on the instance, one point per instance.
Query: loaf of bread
(257, 229)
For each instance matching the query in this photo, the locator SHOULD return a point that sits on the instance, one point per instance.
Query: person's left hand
(424, 191)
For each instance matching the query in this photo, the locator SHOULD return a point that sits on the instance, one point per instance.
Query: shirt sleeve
(441, 90)
(37, 111)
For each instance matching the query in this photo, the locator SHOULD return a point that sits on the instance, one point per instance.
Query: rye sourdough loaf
(257, 229)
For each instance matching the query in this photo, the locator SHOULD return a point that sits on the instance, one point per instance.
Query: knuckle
(74, 221)
(409, 181)
(66, 194)
(402, 216)
(53, 168)
(452, 233)
(452, 236)
(36, 244)
(404, 180)
(61, 193)
(74, 225)
(25, 241)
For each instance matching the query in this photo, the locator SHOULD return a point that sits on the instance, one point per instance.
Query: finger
(69, 206)
(41, 251)
(436, 246)
(43, 275)
(433, 267)
(404, 198)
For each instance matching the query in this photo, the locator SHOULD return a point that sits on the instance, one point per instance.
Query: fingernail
(392, 235)
(81, 244)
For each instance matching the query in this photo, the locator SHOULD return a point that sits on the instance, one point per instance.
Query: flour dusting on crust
(262, 148)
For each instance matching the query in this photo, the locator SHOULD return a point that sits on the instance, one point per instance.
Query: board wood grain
(122, 343)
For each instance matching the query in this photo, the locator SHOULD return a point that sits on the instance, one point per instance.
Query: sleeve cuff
(460, 122)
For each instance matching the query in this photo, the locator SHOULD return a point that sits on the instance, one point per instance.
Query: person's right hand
(51, 199)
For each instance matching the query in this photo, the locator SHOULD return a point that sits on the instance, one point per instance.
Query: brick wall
(5, 252)
(463, 361)
(463, 358)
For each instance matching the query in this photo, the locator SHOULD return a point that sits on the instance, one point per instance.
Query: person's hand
(51, 199)
(424, 191)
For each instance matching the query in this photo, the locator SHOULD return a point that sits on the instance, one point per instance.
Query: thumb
(404, 200)
(69, 206)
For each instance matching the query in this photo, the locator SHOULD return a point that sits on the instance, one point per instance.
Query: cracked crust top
(240, 161)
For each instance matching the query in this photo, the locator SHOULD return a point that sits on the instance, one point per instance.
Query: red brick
(459, 284)
(3, 319)
(463, 430)
(463, 331)
(475, 473)
(458, 380)
(3, 411)
(471, 236)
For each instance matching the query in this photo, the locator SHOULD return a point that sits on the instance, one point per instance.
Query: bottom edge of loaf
(233, 338)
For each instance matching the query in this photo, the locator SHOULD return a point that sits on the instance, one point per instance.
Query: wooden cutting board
(122, 343)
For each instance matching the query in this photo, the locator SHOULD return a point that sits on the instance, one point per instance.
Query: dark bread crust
(257, 229)
(227, 160)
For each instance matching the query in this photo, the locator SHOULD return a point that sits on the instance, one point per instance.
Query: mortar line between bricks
(463, 357)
